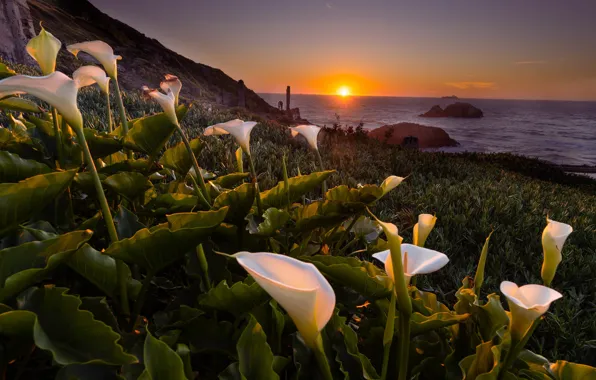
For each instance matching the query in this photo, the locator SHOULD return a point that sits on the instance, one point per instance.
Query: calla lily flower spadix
(101, 51)
(415, 260)
(172, 83)
(89, 75)
(553, 238)
(527, 303)
(44, 49)
(167, 103)
(297, 286)
(422, 229)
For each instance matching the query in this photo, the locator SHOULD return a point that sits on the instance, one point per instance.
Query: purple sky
(536, 49)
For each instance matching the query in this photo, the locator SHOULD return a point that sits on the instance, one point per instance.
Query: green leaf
(161, 362)
(208, 335)
(128, 184)
(164, 244)
(127, 223)
(491, 317)
(479, 277)
(299, 186)
(238, 299)
(274, 220)
(16, 333)
(19, 105)
(14, 168)
(19, 201)
(72, 335)
(173, 202)
(229, 180)
(88, 372)
(254, 354)
(177, 157)
(362, 276)
(484, 364)
(84, 181)
(323, 214)
(421, 324)
(100, 270)
(101, 144)
(239, 201)
(26, 264)
(149, 134)
(101, 311)
(366, 194)
(140, 165)
(6, 71)
(563, 370)
(273, 321)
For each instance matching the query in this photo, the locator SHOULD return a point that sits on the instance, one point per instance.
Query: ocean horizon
(558, 131)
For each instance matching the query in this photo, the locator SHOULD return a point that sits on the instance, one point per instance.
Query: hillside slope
(145, 60)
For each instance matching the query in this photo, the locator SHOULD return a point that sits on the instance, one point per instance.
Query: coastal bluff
(458, 109)
(427, 137)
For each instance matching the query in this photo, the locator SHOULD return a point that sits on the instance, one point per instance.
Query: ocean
(561, 132)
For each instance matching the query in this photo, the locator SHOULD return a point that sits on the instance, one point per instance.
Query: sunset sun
(343, 91)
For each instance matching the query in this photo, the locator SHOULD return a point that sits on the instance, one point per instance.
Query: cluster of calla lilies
(298, 287)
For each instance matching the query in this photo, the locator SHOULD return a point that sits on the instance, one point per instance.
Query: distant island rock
(450, 97)
(457, 109)
(403, 134)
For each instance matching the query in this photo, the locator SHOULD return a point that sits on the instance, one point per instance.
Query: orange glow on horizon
(344, 91)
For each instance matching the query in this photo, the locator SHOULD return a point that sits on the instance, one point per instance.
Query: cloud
(329, 5)
(530, 62)
(474, 85)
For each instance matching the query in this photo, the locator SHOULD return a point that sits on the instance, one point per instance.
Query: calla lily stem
(107, 216)
(319, 352)
(404, 344)
(141, 299)
(322, 169)
(122, 115)
(195, 164)
(388, 335)
(109, 107)
(256, 182)
(204, 266)
(58, 138)
(516, 347)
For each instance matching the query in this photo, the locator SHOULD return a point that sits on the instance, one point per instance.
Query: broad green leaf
(345, 344)
(161, 362)
(100, 270)
(421, 324)
(164, 244)
(16, 333)
(26, 264)
(18, 104)
(88, 372)
(140, 165)
(84, 181)
(15, 144)
(273, 321)
(237, 299)
(127, 223)
(101, 144)
(254, 354)
(128, 184)
(14, 168)
(365, 194)
(177, 157)
(19, 201)
(426, 303)
(361, 276)
(6, 71)
(98, 306)
(208, 335)
(299, 186)
(239, 201)
(491, 317)
(323, 214)
(563, 370)
(484, 364)
(149, 134)
(229, 180)
(184, 352)
(173, 202)
(72, 335)
(273, 220)
(45, 126)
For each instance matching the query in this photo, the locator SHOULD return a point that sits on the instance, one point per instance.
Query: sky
(506, 49)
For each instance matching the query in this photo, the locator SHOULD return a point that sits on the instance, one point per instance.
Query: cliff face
(144, 61)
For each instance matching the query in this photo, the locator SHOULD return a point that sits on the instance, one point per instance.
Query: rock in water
(459, 109)
(427, 137)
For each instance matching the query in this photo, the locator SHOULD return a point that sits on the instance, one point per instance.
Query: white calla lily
(391, 183)
(44, 49)
(422, 229)
(172, 82)
(310, 132)
(166, 101)
(101, 51)
(553, 238)
(89, 75)
(57, 89)
(415, 260)
(526, 303)
(238, 128)
(297, 286)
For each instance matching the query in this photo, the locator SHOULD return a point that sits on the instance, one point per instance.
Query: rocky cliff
(145, 60)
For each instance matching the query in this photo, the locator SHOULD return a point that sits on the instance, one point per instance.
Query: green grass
(471, 194)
